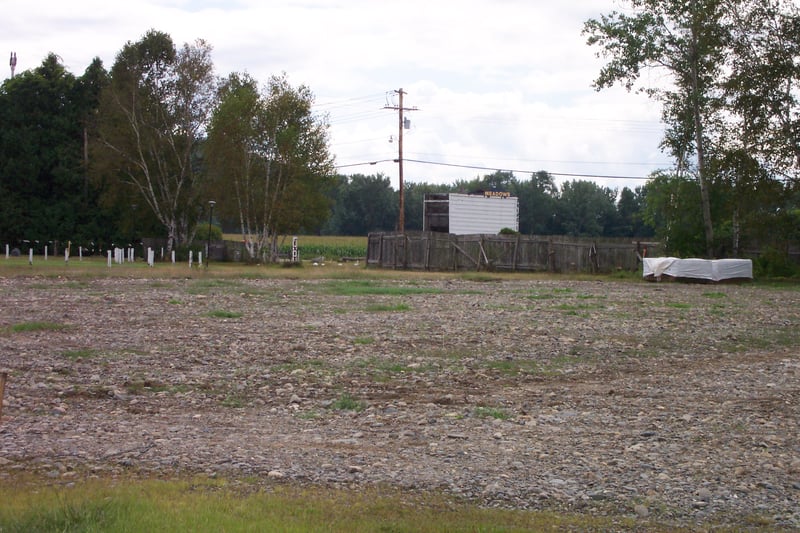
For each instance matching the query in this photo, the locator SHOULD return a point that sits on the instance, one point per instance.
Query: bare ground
(671, 403)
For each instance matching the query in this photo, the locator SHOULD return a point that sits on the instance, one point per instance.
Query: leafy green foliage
(44, 194)
(152, 116)
(775, 264)
(731, 117)
(270, 161)
(363, 204)
(203, 233)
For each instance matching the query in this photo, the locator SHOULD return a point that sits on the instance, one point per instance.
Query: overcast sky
(499, 84)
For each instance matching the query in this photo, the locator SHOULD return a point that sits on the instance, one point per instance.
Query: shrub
(773, 263)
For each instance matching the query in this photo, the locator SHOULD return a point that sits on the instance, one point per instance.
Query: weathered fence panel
(442, 251)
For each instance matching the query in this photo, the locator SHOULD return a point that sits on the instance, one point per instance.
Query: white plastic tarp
(712, 270)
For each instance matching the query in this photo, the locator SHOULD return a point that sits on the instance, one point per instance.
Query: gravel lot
(667, 402)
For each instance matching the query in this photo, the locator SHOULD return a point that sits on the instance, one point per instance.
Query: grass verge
(220, 505)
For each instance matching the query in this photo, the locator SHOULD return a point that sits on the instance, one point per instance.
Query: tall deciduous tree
(364, 204)
(537, 203)
(689, 40)
(153, 115)
(272, 153)
(586, 209)
(763, 86)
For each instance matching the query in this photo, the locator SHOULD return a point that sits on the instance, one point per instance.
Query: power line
(563, 174)
(516, 171)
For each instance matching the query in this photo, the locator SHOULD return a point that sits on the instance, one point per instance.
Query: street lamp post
(208, 242)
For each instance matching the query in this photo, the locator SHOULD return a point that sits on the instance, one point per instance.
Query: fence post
(3, 377)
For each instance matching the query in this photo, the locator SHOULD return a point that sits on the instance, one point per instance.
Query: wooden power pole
(402, 124)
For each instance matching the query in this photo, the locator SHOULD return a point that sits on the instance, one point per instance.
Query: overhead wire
(495, 169)
(352, 110)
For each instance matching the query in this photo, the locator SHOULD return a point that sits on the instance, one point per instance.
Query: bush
(202, 233)
(508, 231)
(773, 263)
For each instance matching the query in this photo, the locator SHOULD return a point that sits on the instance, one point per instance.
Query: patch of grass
(591, 297)
(491, 412)
(232, 401)
(364, 340)
(346, 402)
(143, 385)
(717, 309)
(678, 305)
(575, 309)
(361, 287)
(175, 302)
(379, 308)
(542, 296)
(480, 277)
(715, 295)
(563, 290)
(85, 353)
(219, 313)
(514, 366)
(206, 286)
(200, 504)
(388, 366)
(25, 327)
(309, 415)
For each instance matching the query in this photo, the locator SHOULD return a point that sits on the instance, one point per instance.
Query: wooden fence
(512, 253)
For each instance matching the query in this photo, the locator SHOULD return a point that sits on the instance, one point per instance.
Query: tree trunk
(705, 197)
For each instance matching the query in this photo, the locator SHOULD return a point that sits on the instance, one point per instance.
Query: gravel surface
(666, 402)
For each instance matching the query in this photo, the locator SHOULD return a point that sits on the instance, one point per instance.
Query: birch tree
(153, 115)
(687, 40)
(270, 152)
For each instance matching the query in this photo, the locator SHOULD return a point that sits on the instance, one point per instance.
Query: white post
(200, 259)
(151, 257)
(66, 255)
(6, 251)
(295, 255)
(173, 257)
(45, 252)
(190, 258)
(30, 256)
(80, 253)
(109, 259)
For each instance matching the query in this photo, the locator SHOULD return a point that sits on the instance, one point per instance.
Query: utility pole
(402, 124)
(13, 63)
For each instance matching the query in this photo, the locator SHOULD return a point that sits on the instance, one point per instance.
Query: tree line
(140, 149)
(364, 203)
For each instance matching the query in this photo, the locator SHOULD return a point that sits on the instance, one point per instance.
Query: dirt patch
(671, 402)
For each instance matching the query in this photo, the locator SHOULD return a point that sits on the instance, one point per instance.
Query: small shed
(470, 214)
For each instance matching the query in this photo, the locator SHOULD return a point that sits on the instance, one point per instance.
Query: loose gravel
(661, 401)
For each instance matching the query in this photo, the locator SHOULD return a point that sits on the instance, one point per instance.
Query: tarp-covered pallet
(704, 270)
